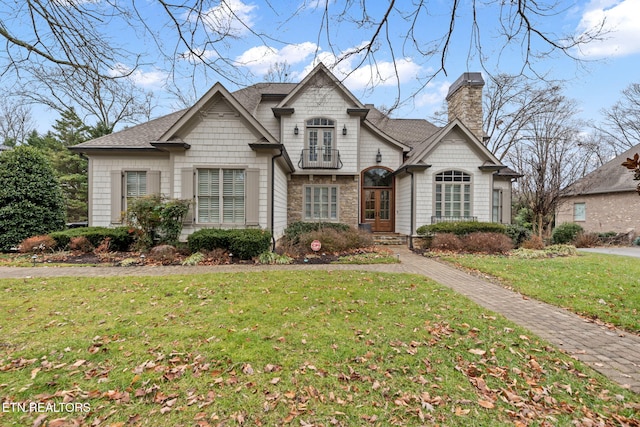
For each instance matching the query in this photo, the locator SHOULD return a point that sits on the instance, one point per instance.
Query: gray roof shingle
(410, 132)
(611, 177)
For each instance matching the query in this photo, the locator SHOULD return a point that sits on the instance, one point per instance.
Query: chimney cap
(466, 79)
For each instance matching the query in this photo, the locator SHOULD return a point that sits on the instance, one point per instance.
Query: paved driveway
(633, 251)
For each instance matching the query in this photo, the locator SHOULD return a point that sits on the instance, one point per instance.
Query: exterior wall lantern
(295, 130)
(344, 129)
(379, 156)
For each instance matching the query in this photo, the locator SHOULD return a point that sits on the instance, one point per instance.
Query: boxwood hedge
(243, 243)
(462, 228)
(121, 237)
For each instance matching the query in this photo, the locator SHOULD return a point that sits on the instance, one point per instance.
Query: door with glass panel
(377, 199)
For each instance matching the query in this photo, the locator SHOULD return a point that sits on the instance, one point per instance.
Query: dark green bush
(31, 201)
(295, 229)
(121, 237)
(462, 228)
(518, 234)
(565, 233)
(243, 243)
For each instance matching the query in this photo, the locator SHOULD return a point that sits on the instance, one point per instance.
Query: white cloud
(620, 18)
(154, 78)
(381, 74)
(433, 94)
(231, 17)
(259, 59)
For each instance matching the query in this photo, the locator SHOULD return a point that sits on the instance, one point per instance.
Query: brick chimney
(465, 102)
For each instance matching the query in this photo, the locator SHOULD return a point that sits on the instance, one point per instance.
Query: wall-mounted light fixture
(344, 129)
(378, 156)
(295, 130)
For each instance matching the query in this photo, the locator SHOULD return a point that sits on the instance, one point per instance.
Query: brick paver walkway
(612, 352)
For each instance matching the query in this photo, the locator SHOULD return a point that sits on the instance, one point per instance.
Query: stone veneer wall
(348, 196)
(465, 103)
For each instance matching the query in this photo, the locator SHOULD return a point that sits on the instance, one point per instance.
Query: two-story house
(274, 153)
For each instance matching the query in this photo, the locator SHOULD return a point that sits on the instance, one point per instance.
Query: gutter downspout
(412, 213)
(273, 186)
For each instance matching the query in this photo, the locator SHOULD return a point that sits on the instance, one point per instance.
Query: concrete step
(389, 239)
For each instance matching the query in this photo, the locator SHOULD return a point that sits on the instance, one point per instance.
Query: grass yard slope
(317, 348)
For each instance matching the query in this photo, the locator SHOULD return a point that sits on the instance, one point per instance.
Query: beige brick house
(604, 200)
(274, 153)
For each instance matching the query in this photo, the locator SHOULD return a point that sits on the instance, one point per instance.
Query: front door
(377, 209)
(377, 199)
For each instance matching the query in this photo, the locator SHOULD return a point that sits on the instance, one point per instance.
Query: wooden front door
(377, 199)
(377, 209)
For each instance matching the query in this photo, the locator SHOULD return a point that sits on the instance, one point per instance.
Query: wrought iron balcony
(319, 158)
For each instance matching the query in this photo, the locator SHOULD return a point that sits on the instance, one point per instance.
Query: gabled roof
(404, 133)
(217, 89)
(320, 69)
(428, 145)
(611, 177)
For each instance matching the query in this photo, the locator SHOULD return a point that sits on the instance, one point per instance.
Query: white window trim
(222, 220)
(310, 217)
(459, 183)
(584, 212)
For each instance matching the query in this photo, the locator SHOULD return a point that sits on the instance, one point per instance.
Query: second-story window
(320, 132)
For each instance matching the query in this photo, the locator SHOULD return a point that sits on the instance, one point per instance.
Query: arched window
(453, 195)
(378, 177)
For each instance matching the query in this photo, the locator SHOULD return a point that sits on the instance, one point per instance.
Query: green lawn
(283, 348)
(604, 287)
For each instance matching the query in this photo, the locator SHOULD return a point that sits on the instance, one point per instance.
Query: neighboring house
(604, 200)
(274, 153)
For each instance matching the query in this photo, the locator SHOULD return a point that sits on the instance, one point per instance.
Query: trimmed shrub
(489, 243)
(565, 233)
(462, 228)
(37, 244)
(533, 242)
(446, 242)
(120, 238)
(246, 244)
(295, 229)
(242, 243)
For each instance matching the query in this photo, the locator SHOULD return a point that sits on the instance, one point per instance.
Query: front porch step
(389, 239)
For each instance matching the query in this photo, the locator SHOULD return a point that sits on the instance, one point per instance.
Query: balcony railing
(436, 219)
(319, 158)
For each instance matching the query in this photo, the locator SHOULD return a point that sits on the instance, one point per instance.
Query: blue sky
(296, 33)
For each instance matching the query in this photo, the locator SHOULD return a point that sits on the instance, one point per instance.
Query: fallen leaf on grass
(486, 404)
